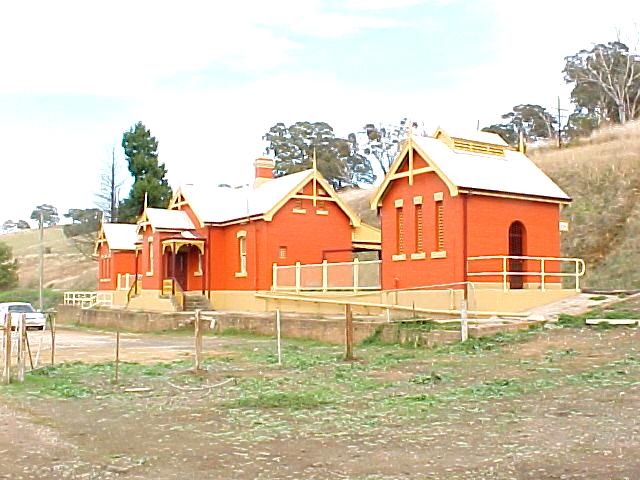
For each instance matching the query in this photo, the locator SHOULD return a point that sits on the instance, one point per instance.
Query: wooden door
(181, 268)
(516, 249)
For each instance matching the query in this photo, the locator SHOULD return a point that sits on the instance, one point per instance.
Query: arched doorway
(517, 237)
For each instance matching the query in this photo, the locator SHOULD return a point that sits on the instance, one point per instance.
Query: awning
(185, 239)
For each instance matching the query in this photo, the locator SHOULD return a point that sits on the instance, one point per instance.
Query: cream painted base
(151, 301)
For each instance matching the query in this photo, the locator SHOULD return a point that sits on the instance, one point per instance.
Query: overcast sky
(210, 78)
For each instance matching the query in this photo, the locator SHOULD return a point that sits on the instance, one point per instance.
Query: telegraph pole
(41, 272)
(559, 125)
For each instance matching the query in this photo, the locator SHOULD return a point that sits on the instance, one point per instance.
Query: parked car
(35, 320)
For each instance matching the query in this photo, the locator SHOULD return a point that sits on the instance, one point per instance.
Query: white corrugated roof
(121, 236)
(513, 173)
(223, 204)
(169, 219)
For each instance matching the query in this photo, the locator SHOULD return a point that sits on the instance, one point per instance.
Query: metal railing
(324, 277)
(506, 273)
(88, 299)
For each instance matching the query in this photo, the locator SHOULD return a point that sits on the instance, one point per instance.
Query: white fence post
(504, 274)
(464, 324)
(274, 280)
(298, 277)
(356, 273)
(542, 274)
(279, 336)
(325, 276)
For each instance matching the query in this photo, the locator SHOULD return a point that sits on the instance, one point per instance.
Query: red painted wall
(429, 271)
(488, 232)
(119, 262)
(308, 238)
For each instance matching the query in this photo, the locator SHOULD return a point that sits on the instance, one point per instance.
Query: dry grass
(64, 266)
(602, 175)
(358, 199)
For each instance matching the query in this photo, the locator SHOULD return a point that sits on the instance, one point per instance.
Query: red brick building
(223, 242)
(448, 200)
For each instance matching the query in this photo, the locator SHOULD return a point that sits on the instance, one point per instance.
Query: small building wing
(119, 236)
(161, 219)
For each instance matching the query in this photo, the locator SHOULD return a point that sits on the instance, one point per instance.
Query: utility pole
(41, 272)
(559, 125)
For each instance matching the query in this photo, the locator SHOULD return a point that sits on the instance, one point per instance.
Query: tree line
(605, 84)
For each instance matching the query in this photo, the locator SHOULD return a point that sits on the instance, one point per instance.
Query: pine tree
(141, 152)
(8, 268)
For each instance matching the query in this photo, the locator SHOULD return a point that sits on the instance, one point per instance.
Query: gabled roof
(160, 218)
(119, 236)
(509, 173)
(224, 204)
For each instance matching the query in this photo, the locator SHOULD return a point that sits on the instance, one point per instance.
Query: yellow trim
(299, 210)
(438, 196)
(331, 194)
(515, 196)
(439, 254)
(175, 244)
(241, 233)
(417, 200)
(174, 202)
(376, 201)
(240, 274)
(399, 258)
(418, 256)
(399, 203)
(322, 212)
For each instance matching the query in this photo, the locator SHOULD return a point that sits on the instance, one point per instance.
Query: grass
(624, 309)
(51, 298)
(602, 175)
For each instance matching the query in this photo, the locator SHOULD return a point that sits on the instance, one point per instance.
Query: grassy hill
(602, 175)
(65, 268)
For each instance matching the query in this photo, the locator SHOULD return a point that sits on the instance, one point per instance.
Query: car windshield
(21, 308)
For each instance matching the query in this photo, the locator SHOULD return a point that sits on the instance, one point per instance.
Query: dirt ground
(553, 403)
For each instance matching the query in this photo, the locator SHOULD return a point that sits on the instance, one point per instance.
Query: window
(298, 204)
(439, 227)
(282, 252)
(418, 226)
(399, 230)
(321, 205)
(242, 244)
(150, 258)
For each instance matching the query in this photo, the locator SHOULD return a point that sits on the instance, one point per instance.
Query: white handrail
(323, 273)
(505, 273)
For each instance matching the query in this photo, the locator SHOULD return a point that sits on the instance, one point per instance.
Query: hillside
(602, 175)
(65, 268)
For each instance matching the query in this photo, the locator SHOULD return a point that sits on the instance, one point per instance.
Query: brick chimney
(264, 170)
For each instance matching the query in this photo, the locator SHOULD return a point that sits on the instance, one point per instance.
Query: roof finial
(315, 161)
